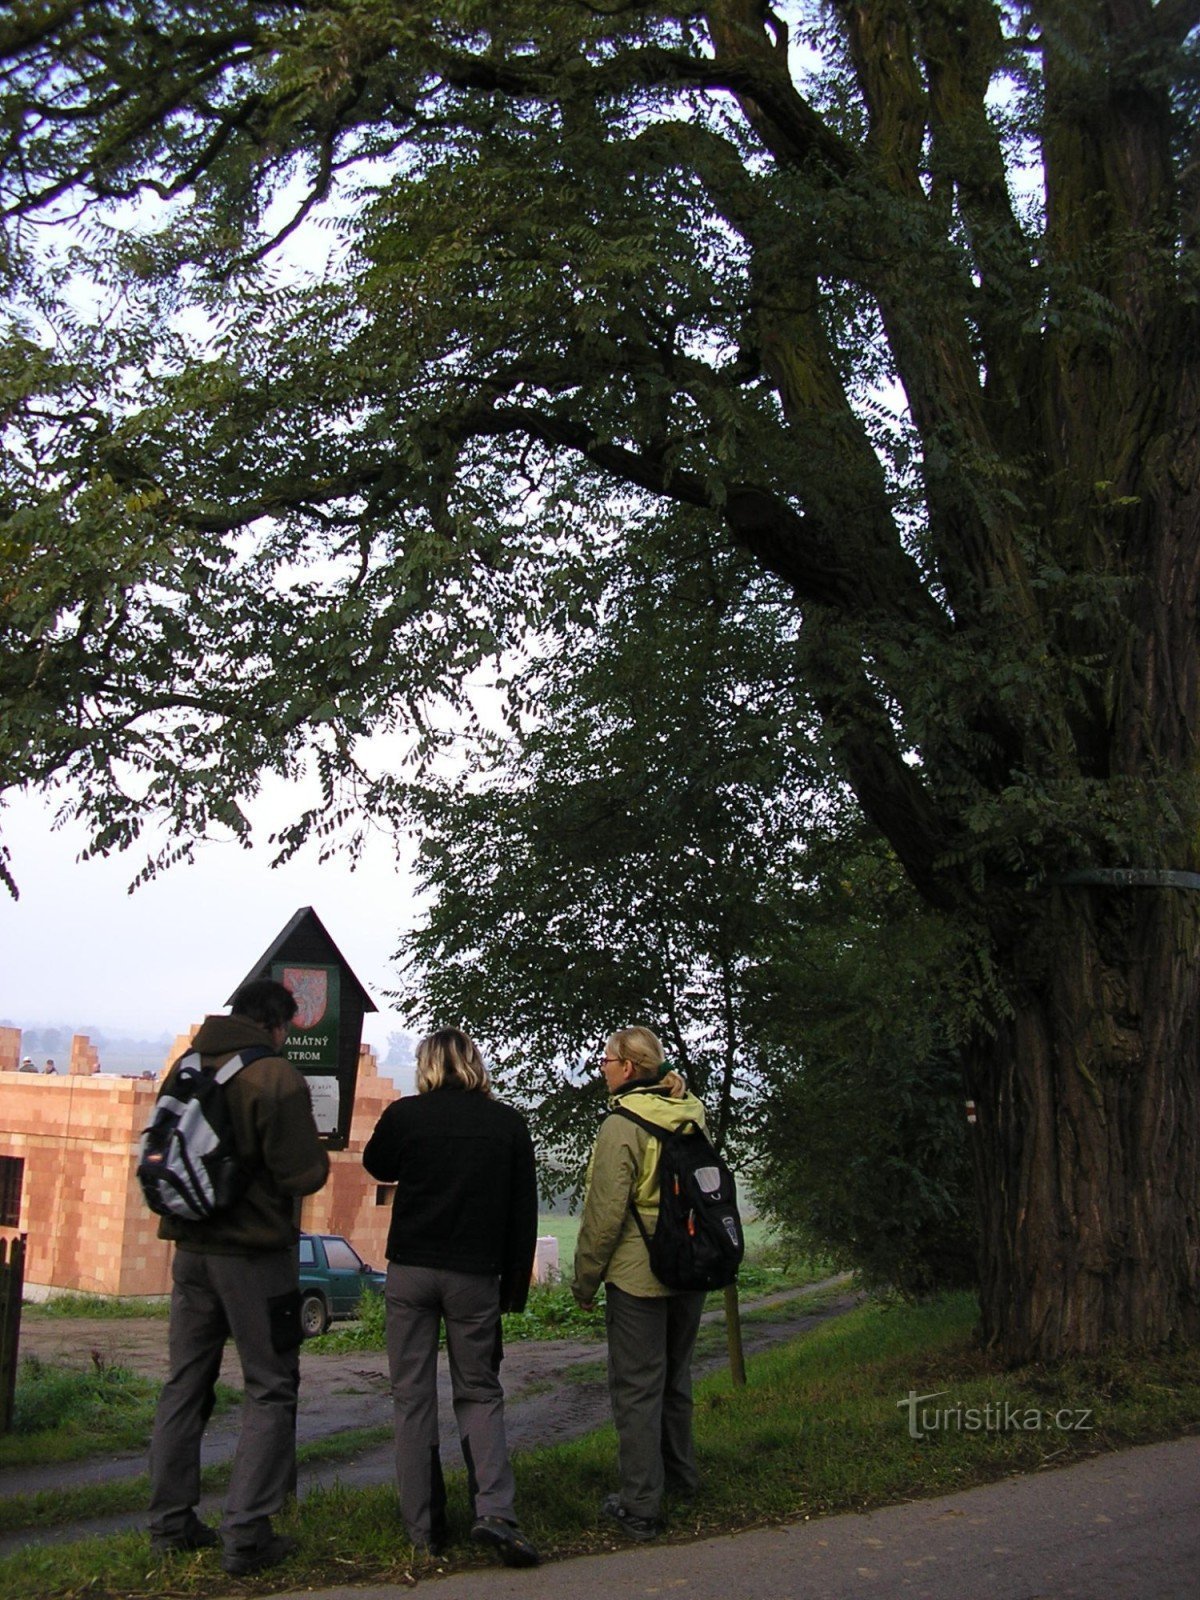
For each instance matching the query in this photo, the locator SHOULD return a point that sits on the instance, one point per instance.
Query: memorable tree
(341, 327)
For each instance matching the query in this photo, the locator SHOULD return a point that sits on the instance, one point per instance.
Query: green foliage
(633, 851)
(60, 1413)
(365, 1332)
(863, 1148)
(444, 304)
(551, 1312)
(101, 1305)
(663, 843)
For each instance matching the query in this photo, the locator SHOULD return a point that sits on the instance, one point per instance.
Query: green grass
(822, 1427)
(96, 1305)
(64, 1413)
(57, 1508)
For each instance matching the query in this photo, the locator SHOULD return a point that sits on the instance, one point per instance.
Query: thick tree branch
(891, 791)
(962, 52)
(883, 50)
(816, 560)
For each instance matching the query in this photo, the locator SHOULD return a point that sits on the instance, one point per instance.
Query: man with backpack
(656, 1253)
(235, 1272)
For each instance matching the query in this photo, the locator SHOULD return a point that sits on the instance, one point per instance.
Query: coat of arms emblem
(310, 986)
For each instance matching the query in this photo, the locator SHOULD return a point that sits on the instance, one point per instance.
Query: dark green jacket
(276, 1138)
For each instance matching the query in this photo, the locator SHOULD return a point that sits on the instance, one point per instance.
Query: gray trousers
(418, 1299)
(650, 1344)
(214, 1298)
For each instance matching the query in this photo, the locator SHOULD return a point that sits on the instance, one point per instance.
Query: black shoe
(196, 1536)
(634, 1526)
(255, 1558)
(513, 1548)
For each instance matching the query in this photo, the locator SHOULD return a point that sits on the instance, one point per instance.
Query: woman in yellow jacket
(651, 1329)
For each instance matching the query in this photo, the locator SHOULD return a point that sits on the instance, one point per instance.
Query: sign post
(326, 1032)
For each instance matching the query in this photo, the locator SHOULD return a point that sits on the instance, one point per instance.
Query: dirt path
(555, 1390)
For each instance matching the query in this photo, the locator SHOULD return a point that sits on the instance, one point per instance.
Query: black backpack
(698, 1241)
(188, 1166)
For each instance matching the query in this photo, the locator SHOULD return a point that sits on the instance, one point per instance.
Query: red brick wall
(77, 1136)
(87, 1225)
(10, 1049)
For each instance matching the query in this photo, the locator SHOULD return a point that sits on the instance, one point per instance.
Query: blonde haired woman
(651, 1329)
(460, 1251)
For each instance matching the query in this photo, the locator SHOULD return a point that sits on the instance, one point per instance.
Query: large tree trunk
(1087, 1143)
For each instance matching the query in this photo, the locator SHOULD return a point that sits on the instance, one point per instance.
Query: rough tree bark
(1087, 1146)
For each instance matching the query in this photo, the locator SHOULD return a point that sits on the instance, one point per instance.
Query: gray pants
(418, 1298)
(650, 1343)
(252, 1299)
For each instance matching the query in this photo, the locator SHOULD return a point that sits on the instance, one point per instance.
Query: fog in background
(79, 954)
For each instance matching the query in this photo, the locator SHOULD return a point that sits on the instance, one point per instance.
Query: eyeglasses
(611, 1061)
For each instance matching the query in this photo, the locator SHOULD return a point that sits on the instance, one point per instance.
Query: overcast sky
(77, 950)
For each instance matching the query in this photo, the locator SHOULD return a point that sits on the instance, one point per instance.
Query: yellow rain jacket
(624, 1166)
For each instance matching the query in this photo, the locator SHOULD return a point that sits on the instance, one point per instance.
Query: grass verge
(72, 1413)
(823, 1426)
(57, 1508)
(66, 1413)
(112, 1307)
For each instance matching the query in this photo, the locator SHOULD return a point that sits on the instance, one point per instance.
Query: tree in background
(662, 842)
(614, 855)
(860, 1135)
(399, 1052)
(900, 299)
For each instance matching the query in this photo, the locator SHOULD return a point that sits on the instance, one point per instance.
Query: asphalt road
(1118, 1527)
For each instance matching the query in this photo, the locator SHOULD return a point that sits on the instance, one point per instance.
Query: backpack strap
(650, 1127)
(234, 1065)
(662, 1134)
(253, 1052)
(653, 1127)
(193, 1061)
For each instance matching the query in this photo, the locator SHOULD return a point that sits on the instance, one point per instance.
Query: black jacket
(466, 1187)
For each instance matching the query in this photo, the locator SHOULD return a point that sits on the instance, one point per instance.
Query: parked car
(333, 1276)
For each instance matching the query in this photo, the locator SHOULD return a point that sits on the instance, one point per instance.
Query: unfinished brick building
(67, 1153)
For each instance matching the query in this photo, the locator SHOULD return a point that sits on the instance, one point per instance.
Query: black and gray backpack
(188, 1166)
(697, 1242)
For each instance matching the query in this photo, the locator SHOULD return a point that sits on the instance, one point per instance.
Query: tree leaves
(544, 275)
(635, 850)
